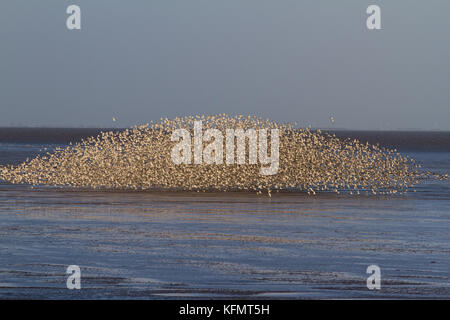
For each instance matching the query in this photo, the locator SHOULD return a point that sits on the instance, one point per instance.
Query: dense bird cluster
(140, 159)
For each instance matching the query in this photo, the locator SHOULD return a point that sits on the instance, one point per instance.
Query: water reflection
(136, 244)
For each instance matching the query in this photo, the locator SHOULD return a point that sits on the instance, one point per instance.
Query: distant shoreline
(403, 140)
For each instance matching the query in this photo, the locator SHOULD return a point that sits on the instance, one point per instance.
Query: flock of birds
(139, 158)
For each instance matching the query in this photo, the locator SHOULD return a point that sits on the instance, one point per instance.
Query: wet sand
(144, 245)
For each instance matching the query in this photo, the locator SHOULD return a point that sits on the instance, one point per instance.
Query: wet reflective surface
(148, 245)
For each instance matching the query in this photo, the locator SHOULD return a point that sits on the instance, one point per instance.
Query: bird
(139, 158)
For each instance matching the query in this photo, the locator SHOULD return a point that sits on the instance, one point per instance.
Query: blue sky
(286, 60)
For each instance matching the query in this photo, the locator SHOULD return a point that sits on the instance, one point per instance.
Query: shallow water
(228, 245)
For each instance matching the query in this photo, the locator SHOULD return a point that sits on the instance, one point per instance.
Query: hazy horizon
(313, 128)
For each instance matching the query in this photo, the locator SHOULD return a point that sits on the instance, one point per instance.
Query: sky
(287, 60)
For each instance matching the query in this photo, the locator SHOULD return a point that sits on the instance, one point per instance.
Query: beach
(222, 245)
